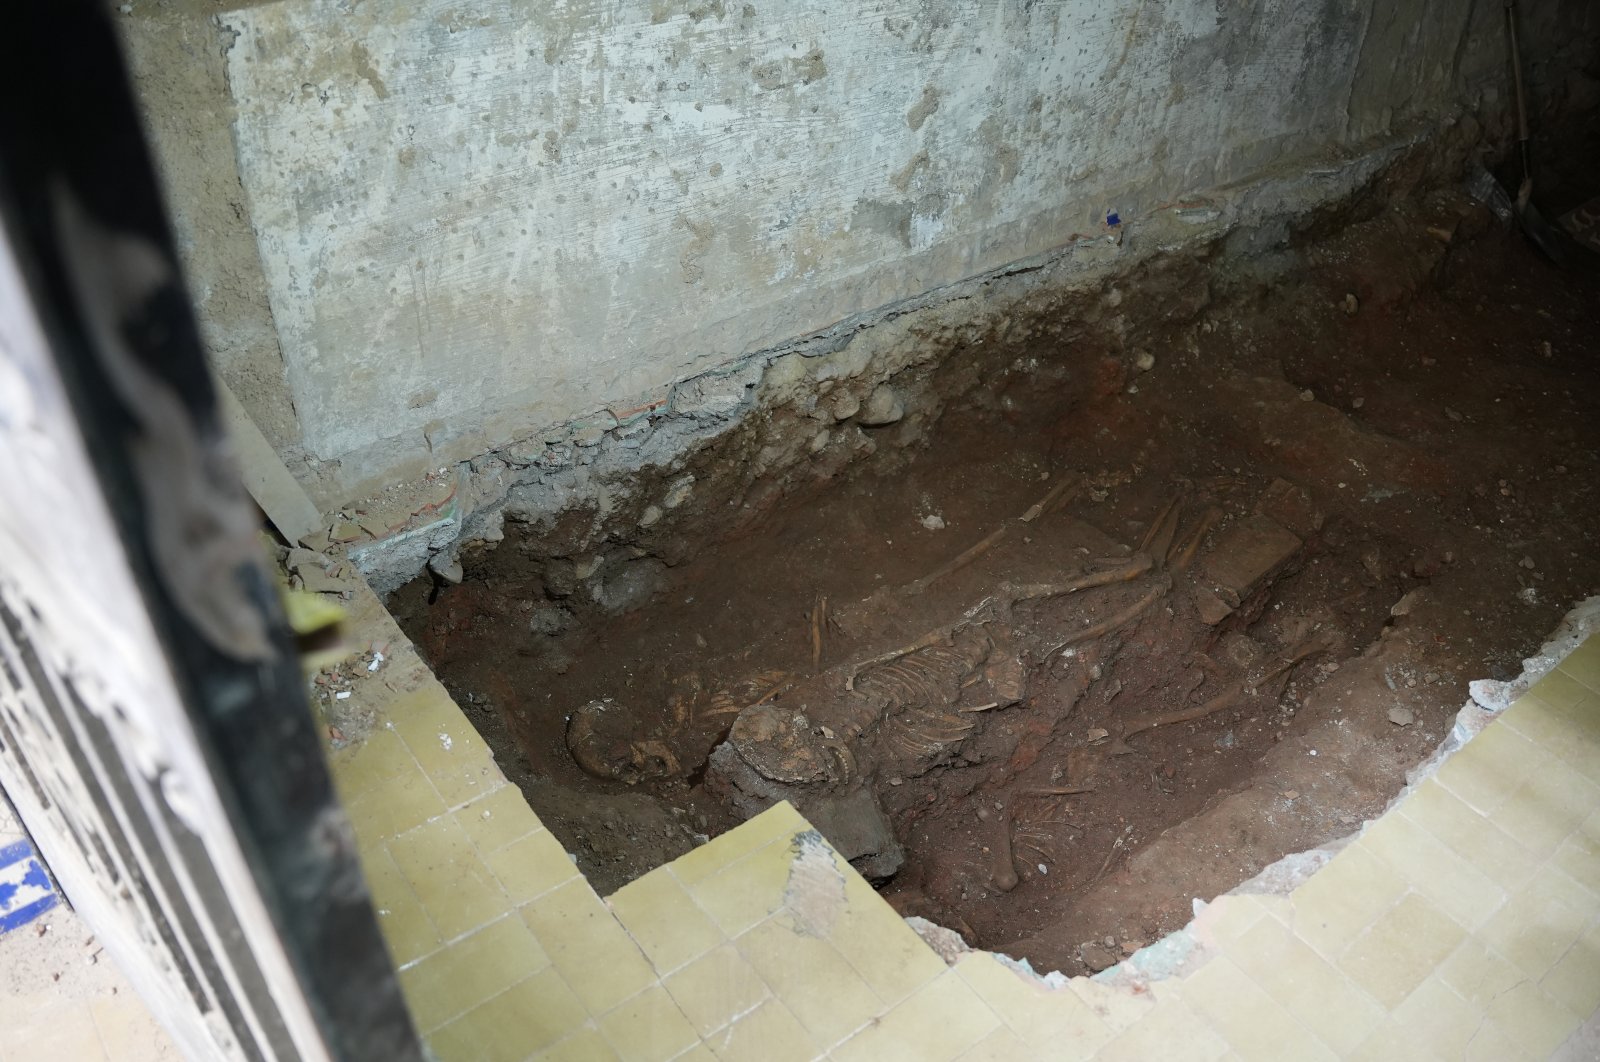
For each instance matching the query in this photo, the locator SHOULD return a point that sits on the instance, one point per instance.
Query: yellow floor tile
(1490, 1044)
(1574, 981)
(497, 818)
(1171, 1032)
(585, 1045)
(1541, 922)
(406, 927)
(648, 1028)
(667, 924)
(1044, 1017)
(1579, 855)
(1400, 950)
(599, 961)
(1319, 996)
(769, 1033)
(1571, 732)
(1583, 663)
(1560, 689)
(1436, 1017)
(1117, 1008)
(1489, 768)
(1548, 807)
(1530, 1019)
(531, 866)
(936, 1024)
(879, 945)
(1252, 1022)
(1227, 918)
(1490, 850)
(1434, 869)
(1352, 891)
(528, 1017)
(448, 747)
(716, 988)
(394, 806)
(779, 822)
(471, 971)
(1002, 1045)
(812, 979)
(747, 890)
(1478, 974)
(380, 757)
(457, 889)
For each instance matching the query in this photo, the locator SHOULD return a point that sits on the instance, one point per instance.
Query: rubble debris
(1402, 716)
(883, 407)
(1247, 555)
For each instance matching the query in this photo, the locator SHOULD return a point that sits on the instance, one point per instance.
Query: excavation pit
(1113, 615)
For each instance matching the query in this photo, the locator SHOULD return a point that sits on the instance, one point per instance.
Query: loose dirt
(1412, 400)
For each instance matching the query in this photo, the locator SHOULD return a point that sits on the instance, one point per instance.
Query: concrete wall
(472, 221)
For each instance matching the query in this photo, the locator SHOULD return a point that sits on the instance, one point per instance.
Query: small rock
(933, 522)
(1357, 403)
(1290, 794)
(300, 558)
(845, 405)
(1528, 595)
(319, 581)
(589, 436)
(1226, 741)
(1308, 395)
(347, 531)
(1402, 716)
(1410, 601)
(1351, 304)
(1097, 735)
(884, 406)
(650, 515)
(1527, 562)
(1097, 956)
(1213, 610)
(447, 568)
(1452, 414)
(1143, 360)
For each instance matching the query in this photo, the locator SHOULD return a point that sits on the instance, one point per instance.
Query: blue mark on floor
(25, 889)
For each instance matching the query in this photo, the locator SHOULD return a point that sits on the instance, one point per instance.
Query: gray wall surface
(474, 220)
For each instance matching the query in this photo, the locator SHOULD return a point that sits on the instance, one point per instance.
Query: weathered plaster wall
(477, 220)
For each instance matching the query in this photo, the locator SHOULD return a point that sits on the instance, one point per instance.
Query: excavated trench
(1184, 580)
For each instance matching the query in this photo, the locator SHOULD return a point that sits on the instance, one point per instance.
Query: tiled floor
(1465, 923)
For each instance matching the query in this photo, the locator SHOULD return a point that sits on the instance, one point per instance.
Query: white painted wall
(477, 219)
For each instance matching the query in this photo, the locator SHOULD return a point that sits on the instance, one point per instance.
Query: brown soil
(1445, 426)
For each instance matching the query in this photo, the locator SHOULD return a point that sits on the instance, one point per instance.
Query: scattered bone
(1159, 522)
(1005, 869)
(1157, 590)
(1182, 554)
(819, 613)
(1056, 495)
